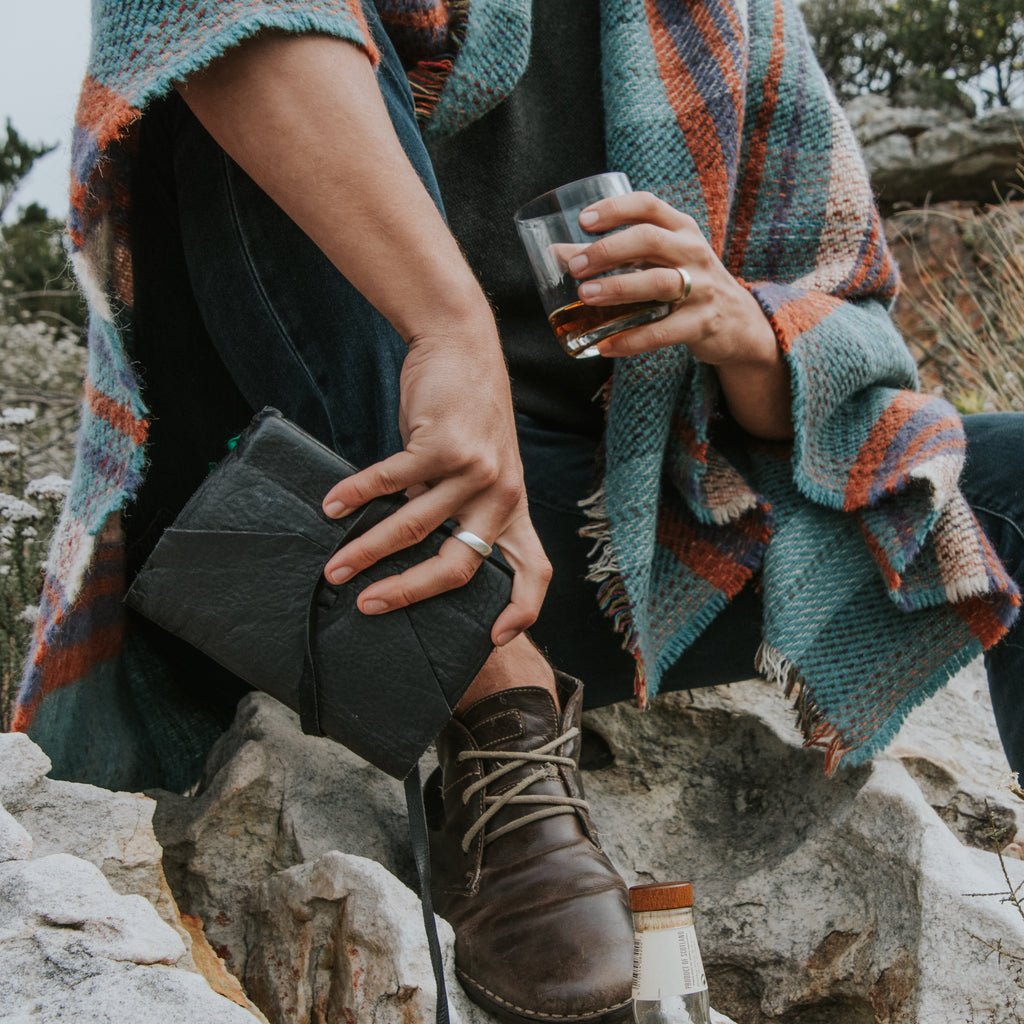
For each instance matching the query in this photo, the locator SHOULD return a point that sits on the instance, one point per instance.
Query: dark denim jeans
(236, 309)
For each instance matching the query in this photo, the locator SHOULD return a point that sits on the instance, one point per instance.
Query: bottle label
(667, 963)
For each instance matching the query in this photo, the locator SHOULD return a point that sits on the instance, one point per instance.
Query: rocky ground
(871, 896)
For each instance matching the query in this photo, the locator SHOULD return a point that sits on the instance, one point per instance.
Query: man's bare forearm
(303, 116)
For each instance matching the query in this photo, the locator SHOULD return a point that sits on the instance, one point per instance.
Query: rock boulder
(89, 931)
(917, 156)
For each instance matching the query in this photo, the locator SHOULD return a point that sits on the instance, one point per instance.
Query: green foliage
(16, 159)
(35, 280)
(28, 510)
(933, 47)
(41, 369)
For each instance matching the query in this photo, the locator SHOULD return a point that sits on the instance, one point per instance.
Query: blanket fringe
(612, 598)
(816, 729)
(427, 78)
(604, 563)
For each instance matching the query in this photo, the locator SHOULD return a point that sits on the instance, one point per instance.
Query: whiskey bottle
(669, 986)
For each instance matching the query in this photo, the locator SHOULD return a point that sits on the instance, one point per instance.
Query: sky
(43, 49)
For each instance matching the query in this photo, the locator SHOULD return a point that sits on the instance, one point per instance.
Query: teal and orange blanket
(877, 580)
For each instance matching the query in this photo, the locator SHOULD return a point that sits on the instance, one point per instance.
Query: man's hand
(720, 321)
(461, 462)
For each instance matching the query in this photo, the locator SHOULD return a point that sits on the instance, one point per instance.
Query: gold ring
(687, 284)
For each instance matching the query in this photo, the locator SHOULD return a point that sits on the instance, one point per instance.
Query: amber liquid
(579, 327)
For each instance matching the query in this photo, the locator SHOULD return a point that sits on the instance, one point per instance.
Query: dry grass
(968, 303)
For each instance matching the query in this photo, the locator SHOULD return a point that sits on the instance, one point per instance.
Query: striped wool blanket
(877, 580)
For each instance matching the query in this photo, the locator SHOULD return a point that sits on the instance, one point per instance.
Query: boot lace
(546, 761)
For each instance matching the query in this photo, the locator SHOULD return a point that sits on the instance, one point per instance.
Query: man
(287, 249)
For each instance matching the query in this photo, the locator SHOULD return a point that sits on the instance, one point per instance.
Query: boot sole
(512, 1014)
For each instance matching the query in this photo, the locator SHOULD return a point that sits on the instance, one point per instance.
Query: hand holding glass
(550, 231)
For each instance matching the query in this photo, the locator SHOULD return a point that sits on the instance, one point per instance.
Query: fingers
(634, 208)
(640, 245)
(495, 521)
(663, 284)
(390, 476)
(455, 565)
(660, 334)
(402, 529)
(522, 550)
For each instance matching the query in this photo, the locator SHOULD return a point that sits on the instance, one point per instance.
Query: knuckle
(450, 459)
(405, 596)
(411, 530)
(652, 238)
(509, 493)
(487, 470)
(648, 200)
(385, 482)
(544, 569)
(598, 252)
(356, 488)
(459, 574)
(613, 285)
(658, 335)
(614, 206)
(709, 323)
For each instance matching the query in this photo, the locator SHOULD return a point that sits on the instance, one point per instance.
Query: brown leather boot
(543, 931)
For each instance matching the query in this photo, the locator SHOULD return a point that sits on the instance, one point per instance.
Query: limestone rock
(257, 854)
(15, 842)
(71, 949)
(113, 831)
(272, 798)
(915, 155)
(818, 899)
(88, 928)
(340, 938)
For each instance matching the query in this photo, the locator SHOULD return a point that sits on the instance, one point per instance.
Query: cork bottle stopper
(660, 896)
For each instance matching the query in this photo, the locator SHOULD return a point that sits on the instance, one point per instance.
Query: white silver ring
(687, 284)
(478, 544)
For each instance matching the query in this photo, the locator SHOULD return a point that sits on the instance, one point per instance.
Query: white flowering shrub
(41, 371)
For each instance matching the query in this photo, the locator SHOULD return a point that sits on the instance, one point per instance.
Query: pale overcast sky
(44, 45)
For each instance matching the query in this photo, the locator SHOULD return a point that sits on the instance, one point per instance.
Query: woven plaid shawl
(878, 582)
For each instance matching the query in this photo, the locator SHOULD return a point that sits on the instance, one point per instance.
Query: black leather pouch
(239, 574)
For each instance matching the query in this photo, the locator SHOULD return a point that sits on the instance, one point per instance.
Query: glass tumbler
(551, 234)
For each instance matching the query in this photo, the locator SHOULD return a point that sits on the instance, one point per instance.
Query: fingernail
(578, 263)
(335, 509)
(588, 217)
(506, 637)
(341, 574)
(374, 606)
(590, 289)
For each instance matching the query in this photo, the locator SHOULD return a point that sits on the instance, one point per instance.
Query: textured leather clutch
(239, 574)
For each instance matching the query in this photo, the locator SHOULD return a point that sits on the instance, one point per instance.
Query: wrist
(441, 304)
(756, 347)
(457, 320)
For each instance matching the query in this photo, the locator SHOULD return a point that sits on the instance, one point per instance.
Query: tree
(34, 280)
(16, 159)
(937, 46)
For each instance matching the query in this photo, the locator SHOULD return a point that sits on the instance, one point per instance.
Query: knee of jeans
(994, 467)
